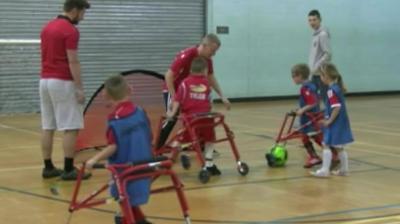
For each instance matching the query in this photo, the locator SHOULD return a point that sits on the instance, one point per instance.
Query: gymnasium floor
(370, 195)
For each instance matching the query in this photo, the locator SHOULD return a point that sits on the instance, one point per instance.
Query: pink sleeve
(333, 99)
(72, 40)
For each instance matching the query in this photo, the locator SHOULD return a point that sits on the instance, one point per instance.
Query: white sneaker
(340, 173)
(320, 173)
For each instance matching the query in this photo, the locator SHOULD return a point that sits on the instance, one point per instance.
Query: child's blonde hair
(198, 65)
(301, 69)
(116, 87)
(330, 70)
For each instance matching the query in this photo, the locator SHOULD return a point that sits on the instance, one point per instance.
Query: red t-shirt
(309, 97)
(58, 36)
(193, 95)
(180, 67)
(122, 110)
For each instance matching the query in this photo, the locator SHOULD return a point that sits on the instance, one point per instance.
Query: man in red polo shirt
(180, 69)
(61, 90)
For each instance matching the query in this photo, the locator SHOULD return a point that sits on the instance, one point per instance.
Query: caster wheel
(270, 160)
(185, 161)
(243, 169)
(118, 219)
(204, 176)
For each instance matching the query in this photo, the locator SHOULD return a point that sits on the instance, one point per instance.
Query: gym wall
(116, 35)
(266, 37)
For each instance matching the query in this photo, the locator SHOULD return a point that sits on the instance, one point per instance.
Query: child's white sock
(326, 160)
(208, 154)
(344, 161)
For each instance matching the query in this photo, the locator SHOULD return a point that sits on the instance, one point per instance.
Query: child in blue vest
(308, 103)
(129, 141)
(337, 131)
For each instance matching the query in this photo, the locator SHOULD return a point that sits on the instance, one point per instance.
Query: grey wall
(115, 36)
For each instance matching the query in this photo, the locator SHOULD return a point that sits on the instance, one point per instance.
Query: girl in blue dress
(336, 125)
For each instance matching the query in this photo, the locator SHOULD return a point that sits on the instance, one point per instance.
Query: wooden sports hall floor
(370, 195)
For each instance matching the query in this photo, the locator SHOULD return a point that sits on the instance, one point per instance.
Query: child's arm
(310, 98)
(304, 109)
(335, 105)
(174, 110)
(332, 118)
(104, 154)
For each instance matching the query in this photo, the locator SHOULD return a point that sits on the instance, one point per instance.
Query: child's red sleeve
(310, 98)
(333, 99)
(110, 137)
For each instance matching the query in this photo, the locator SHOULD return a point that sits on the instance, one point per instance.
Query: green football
(279, 155)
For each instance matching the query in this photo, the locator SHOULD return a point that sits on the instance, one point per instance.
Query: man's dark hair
(69, 5)
(316, 13)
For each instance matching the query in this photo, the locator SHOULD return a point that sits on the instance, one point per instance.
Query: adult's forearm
(175, 107)
(169, 80)
(215, 85)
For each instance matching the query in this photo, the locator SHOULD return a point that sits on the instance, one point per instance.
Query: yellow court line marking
(378, 147)
(7, 148)
(376, 132)
(25, 131)
(260, 115)
(392, 129)
(20, 168)
(392, 219)
(375, 152)
(391, 121)
(255, 129)
(276, 118)
(352, 147)
(20, 129)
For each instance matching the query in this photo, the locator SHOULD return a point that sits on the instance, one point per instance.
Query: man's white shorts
(60, 109)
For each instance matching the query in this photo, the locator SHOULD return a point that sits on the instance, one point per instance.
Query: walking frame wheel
(243, 168)
(185, 161)
(204, 176)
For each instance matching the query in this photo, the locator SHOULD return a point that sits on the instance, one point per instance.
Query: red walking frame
(190, 124)
(278, 154)
(287, 132)
(121, 176)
